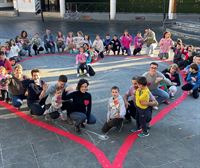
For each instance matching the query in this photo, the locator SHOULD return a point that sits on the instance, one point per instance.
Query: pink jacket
(126, 41)
(165, 45)
(80, 58)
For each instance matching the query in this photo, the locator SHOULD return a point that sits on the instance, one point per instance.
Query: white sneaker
(88, 75)
(78, 75)
(155, 107)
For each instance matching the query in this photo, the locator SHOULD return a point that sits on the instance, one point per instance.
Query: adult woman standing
(81, 105)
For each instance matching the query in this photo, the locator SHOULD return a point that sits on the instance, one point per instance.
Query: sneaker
(47, 117)
(120, 127)
(88, 75)
(135, 130)
(78, 75)
(69, 121)
(77, 129)
(155, 107)
(166, 102)
(82, 125)
(143, 134)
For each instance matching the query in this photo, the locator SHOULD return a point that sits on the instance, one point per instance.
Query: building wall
(26, 5)
(6, 3)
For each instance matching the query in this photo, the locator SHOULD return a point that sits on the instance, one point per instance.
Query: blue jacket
(195, 84)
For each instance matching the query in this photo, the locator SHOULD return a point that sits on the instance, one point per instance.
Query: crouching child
(116, 111)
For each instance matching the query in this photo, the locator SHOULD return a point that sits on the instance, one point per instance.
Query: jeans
(115, 122)
(80, 118)
(136, 50)
(128, 51)
(52, 47)
(161, 95)
(149, 50)
(130, 111)
(188, 87)
(17, 100)
(82, 67)
(36, 108)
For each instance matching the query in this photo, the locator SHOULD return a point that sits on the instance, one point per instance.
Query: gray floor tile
(19, 155)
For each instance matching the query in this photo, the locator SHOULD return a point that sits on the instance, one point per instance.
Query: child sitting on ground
(193, 81)
(116, 111)
(142, 97)
(56, 104)
(81, 62)
(3, 84)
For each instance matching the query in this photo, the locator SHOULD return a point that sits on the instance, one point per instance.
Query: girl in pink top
(165, 45)
(126, 41)
(81, 62)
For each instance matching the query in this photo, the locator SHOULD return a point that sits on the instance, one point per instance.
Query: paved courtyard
(174, 140)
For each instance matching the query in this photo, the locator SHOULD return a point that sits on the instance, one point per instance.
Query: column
(112, 9)
(16, 8)
(172, 10)
(62, 8)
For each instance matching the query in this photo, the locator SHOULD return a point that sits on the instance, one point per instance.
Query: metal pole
(164, 12)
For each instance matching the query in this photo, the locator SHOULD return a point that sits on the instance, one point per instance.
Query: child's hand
(193, 79)
(158, 79)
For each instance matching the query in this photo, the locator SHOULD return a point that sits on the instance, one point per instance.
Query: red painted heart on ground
(99, 154)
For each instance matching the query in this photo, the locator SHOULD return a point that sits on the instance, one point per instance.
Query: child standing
(81, 62)
(166, 44)
(3, 84)
(142, 97)
(116, 111)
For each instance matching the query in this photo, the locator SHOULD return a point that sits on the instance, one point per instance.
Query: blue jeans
(128, 50)
(79, 118)
(160, 94)
(17, 100)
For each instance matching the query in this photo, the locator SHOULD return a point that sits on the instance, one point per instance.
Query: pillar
(62, 8)
(112, 9)
(172, 10)
(16, 8)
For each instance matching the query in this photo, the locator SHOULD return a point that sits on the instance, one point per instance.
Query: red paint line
(102, 159)
(99, 154)
(130, 140)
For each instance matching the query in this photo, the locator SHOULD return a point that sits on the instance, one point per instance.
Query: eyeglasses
(153, 67)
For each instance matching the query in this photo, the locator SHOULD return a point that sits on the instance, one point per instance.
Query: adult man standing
(154, 78)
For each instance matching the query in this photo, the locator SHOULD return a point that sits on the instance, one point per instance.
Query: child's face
(193, 70)
(2, 71)
(115, 37)
(97, 37)
(115, 93)
(58, 92)
(140, 86)
(107, 37)
(135, 84)
(81, 50)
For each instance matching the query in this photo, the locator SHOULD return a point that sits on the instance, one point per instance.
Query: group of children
(117, 110)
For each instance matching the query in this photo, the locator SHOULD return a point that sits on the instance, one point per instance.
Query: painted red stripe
(102, 159)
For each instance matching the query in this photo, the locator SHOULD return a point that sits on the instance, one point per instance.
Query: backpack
(91, 71)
